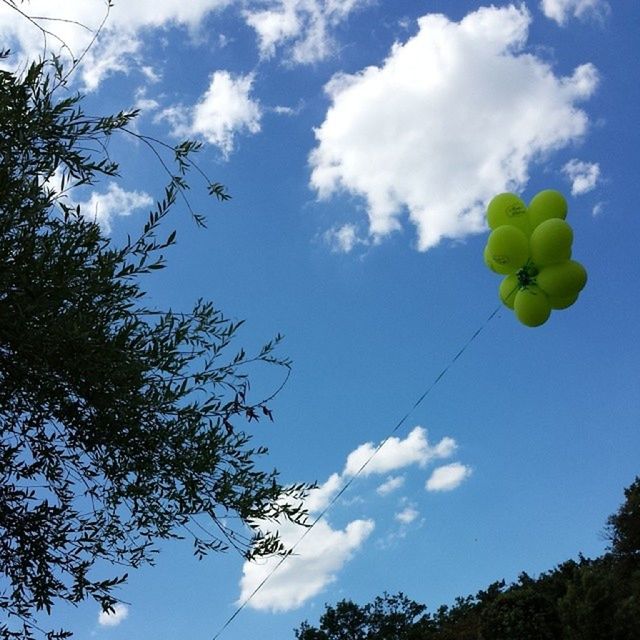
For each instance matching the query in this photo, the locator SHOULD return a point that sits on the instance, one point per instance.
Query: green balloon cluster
(531, 247)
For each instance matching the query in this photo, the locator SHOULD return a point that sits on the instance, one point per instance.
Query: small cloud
(315, 564)
(343, 239)
(397, 454)
(598, 209)
(115, 617)
(407, 515)
(303, 27)
(319, 498)
(143, 103)
(448, 477)
(225, 110)
(103, 207)
(390, 485)
(151, 74)
(284, 111)
(583, 175)
(562, 10)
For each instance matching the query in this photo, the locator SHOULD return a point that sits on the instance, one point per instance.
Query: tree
(623, 527)
(386, 618)
(120, 424)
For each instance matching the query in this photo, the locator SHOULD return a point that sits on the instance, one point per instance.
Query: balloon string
(346, 486)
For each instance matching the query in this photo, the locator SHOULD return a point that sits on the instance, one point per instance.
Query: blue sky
(361, 141)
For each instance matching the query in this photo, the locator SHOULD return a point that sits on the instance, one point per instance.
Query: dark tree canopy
(624, 525)
(120, 424)
(389, 617)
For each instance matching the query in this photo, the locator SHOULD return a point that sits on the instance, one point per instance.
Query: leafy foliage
(624, 526)
(386, 618)
(120, 424)
(583, 600)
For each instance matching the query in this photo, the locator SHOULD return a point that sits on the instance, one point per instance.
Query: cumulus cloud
(397, 453)
(343, 239)
(407, 515)
(317, 560)
(225, 110)
(115, 617)
(303, 26)
(454, 115)
(319, 498)
(322, 551)
(104, 207)
(448, 477)
(391, 484)
(562, 10)
(583, 175)
(74, 23)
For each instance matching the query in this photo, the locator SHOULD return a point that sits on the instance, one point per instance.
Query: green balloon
(562, 280)
(508, 248)
(551, 242)
(508, 208)
(488, 261)
(532, 306)
(508, 289)
(545, 205)
(562, 303)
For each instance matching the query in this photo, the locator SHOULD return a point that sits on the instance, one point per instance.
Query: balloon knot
(527, 275)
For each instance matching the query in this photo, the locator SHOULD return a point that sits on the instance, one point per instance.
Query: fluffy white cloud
(304, 26)
(454, 115)
(225, 110)
(103, 207)
(448, 477)
(317, 560)
(322, 551)
(407, 515)
(343, 239)
(397, 453)
(76, 21)
(562, 10)
(112, 619)
(301, 27)
(319, 498)
(583, 175)
(391, 484)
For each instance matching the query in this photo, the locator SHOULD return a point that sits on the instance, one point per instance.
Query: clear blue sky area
(361, 141)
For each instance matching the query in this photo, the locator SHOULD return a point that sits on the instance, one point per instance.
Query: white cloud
(391, 484)
(448, 477)
(112, 619)
(103, 207)
(598, 209)
(454, 115)
(562, 10)
(343, 239)
(317, 560)
(225, 110)
(397, 453)
(407, 515)
(120, 42)
(322, 551)
(319, 498)
(583, 175)
(303, 26)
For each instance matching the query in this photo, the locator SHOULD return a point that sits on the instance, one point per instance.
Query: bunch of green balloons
(531, 246)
